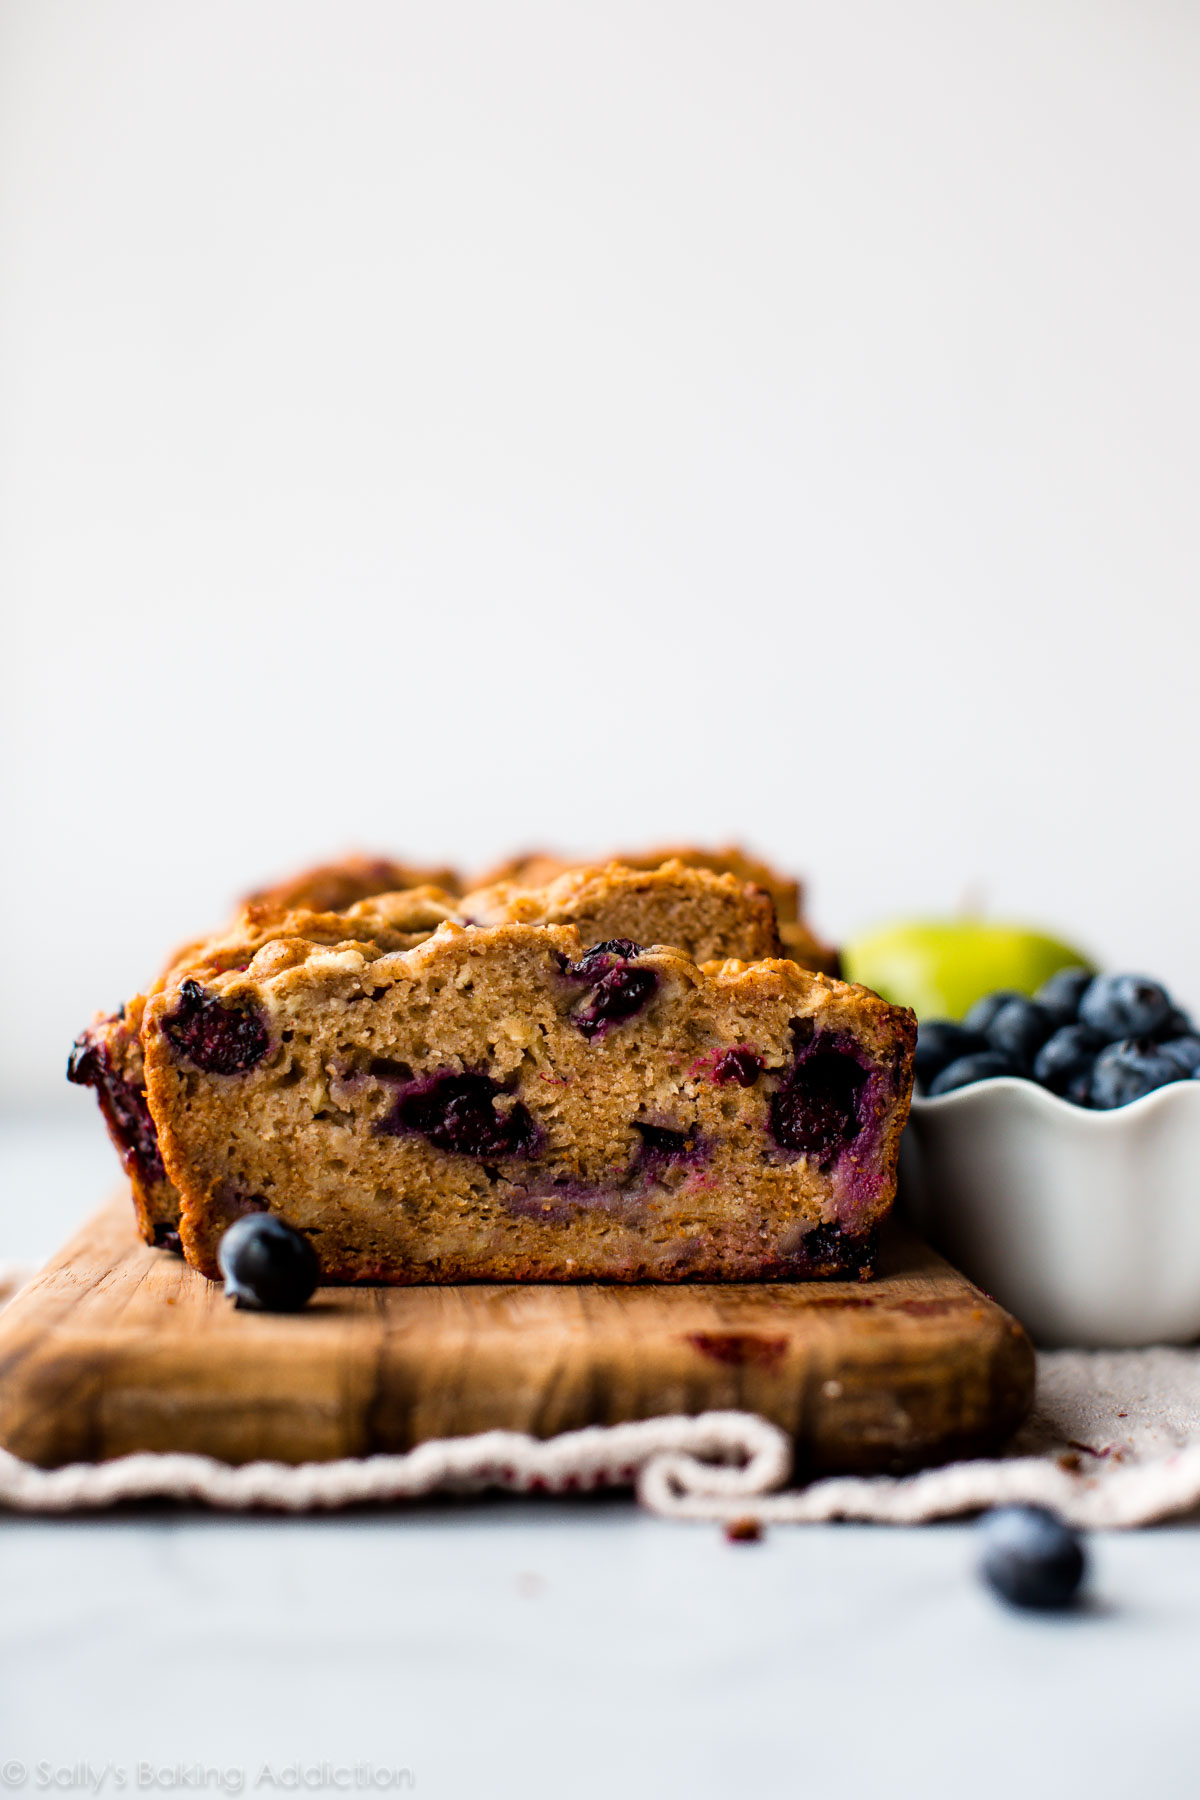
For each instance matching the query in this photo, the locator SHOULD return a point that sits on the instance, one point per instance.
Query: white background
(454, 426)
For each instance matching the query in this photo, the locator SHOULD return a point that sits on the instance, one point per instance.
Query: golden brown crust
(334, 886)
(538, 868)
(702, 914)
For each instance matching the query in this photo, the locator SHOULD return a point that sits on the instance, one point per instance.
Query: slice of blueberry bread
(332, 887)
(108, 1056)
(799, 941)
(505, 1104)
(705, 915)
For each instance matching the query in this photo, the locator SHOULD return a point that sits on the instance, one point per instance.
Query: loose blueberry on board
(1018, 1029)
(969, 1069)
(1184, 1052)
(942, 1041)
(1129, 1070)
(1066, 1058)
(1124, 1006)
(222, 1038)
(1031, 1558)
(267, 1266)
(1060, 996)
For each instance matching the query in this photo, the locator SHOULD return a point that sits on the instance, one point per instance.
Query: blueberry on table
(984, 1011)
(967, 1070)
(1065, 1060)
(1030, 1557)
(267, 1266)
(1124, 1006)
(1060, 996)
(1184, 1052)
(1128, 1070)
(942, 1041)
(1018, 1030)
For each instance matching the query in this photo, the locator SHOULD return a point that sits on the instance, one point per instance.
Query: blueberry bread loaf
(503, 1103)
(701, 914)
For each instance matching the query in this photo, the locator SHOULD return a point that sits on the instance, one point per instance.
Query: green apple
(940, 967)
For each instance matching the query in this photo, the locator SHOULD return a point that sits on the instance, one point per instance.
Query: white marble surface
(567, 1649)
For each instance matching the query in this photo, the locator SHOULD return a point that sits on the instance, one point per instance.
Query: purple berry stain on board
(219, 1037)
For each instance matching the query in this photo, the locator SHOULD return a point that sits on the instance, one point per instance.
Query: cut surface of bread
(503, 1104)
(108, 1055)
(702, 914)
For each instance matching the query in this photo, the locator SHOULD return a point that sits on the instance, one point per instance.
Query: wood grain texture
(116, 1347)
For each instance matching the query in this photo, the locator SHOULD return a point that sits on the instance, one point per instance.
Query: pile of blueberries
(1098, 1040)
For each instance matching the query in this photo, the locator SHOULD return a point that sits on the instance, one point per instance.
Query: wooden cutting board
(116, 1347)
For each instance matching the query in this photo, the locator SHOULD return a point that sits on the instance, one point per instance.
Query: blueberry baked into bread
(701, 913)
(504, 1103)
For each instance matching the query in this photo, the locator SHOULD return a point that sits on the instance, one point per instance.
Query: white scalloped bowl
(1084, 1225)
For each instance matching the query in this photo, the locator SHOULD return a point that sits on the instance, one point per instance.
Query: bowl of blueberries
(1053, 1154)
